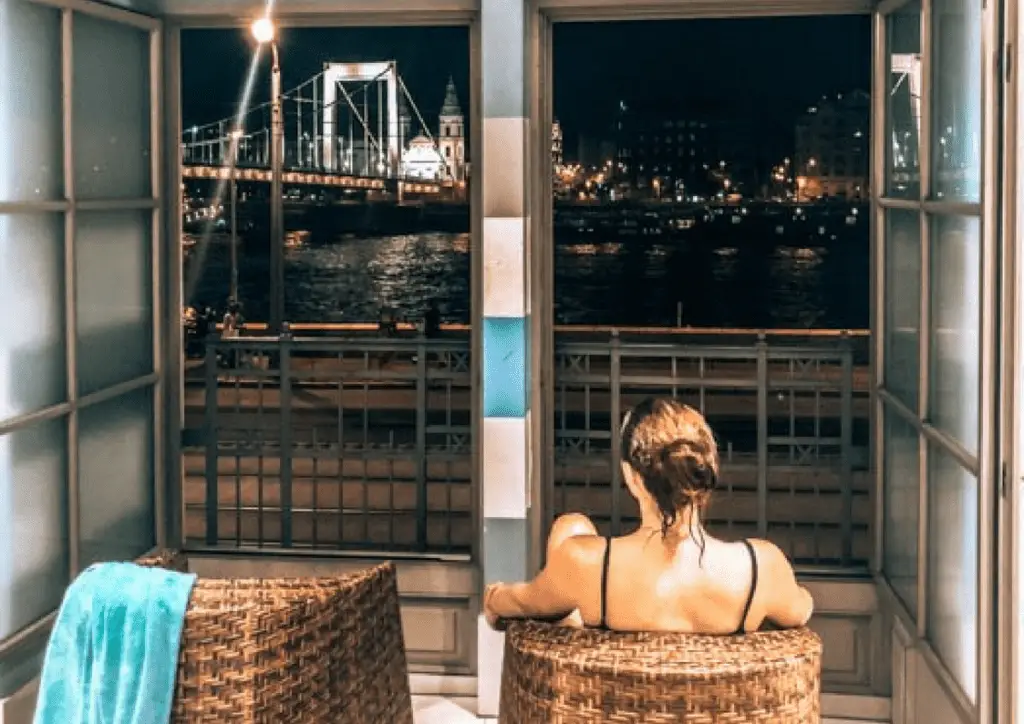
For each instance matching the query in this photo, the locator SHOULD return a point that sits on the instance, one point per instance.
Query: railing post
(615, 402)
(421, 445)
(285, 417)
(210, 441)
(846, 444)
(762, 436)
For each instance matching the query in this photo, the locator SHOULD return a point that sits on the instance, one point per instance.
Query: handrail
(310, 431)
(582, 329)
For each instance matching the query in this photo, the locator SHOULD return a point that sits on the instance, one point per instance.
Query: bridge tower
(452, 143)
(382, 72)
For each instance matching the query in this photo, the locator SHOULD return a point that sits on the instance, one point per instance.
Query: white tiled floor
(439, 710)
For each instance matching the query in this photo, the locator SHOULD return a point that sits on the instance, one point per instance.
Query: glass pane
(33, 368)
(903, 305)
(114, 262)
(34, 521)
(115, 469)
(953, 567)
(956, 73)
(903, 107)
(31, 119)
(955, 327)
(902, 493)
(111, 110)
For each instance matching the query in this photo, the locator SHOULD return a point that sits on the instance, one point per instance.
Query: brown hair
(672, 448)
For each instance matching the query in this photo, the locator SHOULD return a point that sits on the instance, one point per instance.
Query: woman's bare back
(656, 584)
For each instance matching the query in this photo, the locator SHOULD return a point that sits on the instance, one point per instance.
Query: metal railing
(791, 422)
(330, 444)
(364, 444)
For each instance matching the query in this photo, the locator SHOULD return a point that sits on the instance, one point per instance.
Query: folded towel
(113, 653)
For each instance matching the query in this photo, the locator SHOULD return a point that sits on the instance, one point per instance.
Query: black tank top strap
(604, 581)
(753, 586)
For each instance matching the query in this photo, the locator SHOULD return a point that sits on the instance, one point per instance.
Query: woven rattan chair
(583, 676)
(295, 651)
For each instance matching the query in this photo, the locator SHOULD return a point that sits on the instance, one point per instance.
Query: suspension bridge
(352, 126)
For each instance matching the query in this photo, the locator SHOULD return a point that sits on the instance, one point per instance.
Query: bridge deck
(302, 177)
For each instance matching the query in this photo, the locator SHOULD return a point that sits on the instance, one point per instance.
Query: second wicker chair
(301, 651)
(558, 674)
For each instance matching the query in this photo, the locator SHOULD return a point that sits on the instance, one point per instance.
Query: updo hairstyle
(672, 448)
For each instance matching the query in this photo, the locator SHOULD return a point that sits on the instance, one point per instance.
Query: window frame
(68, 207)
(984, 464)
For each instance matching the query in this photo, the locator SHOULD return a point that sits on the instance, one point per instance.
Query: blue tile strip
(504, 373)
(528, 364)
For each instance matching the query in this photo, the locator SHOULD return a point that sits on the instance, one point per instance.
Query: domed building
(422, 160)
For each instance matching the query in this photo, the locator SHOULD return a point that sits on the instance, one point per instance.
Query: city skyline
(755, 61)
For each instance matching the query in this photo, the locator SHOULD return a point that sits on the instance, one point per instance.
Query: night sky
(768, 68)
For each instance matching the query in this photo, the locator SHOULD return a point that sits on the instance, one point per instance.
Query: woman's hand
(495, 621)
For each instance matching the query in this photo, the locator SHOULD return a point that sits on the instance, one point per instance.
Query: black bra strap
(753, 586)
(604, 580)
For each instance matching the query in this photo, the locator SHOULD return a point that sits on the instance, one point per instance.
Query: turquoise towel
(113, 653)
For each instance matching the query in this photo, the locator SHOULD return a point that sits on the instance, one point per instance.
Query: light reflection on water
(633, 282)
(798, 292)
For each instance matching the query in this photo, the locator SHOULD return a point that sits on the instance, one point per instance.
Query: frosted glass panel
(902, 496)
(111, 99)
(34, 523)
(115, 298)
(953, 567)
(903, 305)
(956, 132)
(955, 328)
(31, 122)
(115, 469)
(903, 111)
(33, 368)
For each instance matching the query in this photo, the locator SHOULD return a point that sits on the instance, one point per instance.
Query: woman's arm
(552, 594)
(788, 604)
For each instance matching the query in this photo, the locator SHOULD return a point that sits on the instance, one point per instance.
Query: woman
(668, 574)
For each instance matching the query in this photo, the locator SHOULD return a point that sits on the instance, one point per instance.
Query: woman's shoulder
(772, 561)
(582, 550)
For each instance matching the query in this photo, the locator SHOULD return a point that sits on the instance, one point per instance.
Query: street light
(264, 32)
(236, 135)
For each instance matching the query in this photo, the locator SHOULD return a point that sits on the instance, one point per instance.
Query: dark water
(771, 283)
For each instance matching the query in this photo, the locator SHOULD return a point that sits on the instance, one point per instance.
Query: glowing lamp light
(263, 30)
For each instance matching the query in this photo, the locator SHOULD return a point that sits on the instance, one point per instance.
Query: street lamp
(264, 32)
(236, 134)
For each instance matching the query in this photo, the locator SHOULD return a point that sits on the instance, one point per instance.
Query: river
(775, 282)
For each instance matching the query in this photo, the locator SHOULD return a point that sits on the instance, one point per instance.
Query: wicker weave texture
(559, 674)
(295, 651)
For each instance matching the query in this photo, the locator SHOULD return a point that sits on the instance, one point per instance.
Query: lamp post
(236, 135)
(263, 31)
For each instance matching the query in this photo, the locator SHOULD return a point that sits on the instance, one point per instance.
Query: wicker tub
(302, 651)
(554, 673)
